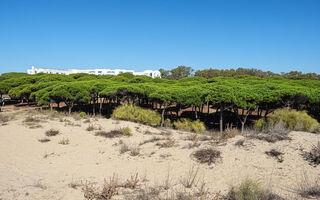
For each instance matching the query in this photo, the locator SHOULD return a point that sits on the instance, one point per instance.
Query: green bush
(167, 123)
(251, 190)
(137, 114)
(82, 114)
(188, 125)
(293, 120)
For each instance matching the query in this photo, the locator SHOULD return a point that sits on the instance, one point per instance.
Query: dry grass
(31, 119)
(132, 182)
(309, 189)
(190, 178)
(43, 140)
(4, 118)
(115, 133)
(271, 137)
(124, 148)
(314, 155)
(167, 144)
(91, 127)
(134, 151)
(208, 155)
(276, 154)
(153, 139)
(109, 189)
(251, 190)
(52, 132)
(64, 141)
(239, 143)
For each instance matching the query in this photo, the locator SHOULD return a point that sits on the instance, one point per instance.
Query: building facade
(151, 73)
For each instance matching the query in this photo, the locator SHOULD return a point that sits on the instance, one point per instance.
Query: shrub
(125, 131)
(137, 114)
(314, 155)
(188, 125)
(64, 141)
(293, 120)
(251, 190)
(93, 127)
(43, 140)
(115, 133)
(31, 119)
(167, 144)
(82, 114)
(208, 155)
(309, 189)
(167, 123)
(52, 132)
(4, 118)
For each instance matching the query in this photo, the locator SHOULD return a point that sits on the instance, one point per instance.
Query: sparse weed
(43, 140)
(314, 155)
(4, 118)
(251, 190)
(124, 148)
(64, 141)
(115, 133)
(309, 189)
(208, 155)
(153, 139)
(190, 178)
(167, 144)
(52, 132)
(239, 143)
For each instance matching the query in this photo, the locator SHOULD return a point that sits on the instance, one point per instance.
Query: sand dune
(30, 169)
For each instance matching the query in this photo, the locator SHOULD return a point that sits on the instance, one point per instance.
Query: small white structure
(151, 73)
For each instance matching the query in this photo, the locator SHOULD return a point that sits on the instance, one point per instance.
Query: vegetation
(115, 133)
(137, 114)
(52, 132)
(314, 155)
(186, 124)
(292, 120)
(219, 101)
(208, 155)
(251, 190)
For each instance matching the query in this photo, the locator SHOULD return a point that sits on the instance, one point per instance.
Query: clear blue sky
(276, 35)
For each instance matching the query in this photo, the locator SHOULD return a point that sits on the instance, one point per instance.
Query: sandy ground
(30, 169)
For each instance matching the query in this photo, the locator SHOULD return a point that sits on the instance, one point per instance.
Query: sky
(275, 35)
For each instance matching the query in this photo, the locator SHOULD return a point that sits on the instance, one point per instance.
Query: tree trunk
(94, 107)
(195, 112)
(242, 126)
(70, 110)
(221, 118)
(100, 107)
(208, 107)
(162, 115)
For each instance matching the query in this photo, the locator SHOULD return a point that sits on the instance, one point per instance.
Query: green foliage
(250, 190)
(125, 131)
(260, 124)
(82, 114)
(137, 114)
(188, 125)
(167, 123)
(176, 73)
(293, 120)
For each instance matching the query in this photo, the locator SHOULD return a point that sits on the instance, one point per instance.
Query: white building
(151, 73)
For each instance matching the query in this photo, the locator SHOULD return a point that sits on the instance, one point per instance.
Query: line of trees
(242, 96)
(183, 71)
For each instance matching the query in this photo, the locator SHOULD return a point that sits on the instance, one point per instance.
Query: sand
(30, 169)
